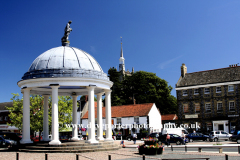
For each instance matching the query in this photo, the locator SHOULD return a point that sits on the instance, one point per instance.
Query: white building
(141, 115)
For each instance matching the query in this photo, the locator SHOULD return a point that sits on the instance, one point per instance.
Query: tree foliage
(117, 88)
(144, 87)
(36, 112)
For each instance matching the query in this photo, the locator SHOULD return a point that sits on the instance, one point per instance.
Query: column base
(100, 139)
(55, 142)
(75, 139)
(25, 141)
(91, 141)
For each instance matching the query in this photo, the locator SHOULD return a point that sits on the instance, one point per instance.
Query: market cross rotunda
(66, 71)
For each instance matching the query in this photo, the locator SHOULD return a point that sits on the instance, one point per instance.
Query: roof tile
(126, 110)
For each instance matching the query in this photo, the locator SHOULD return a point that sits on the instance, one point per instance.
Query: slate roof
(229, 74)
(169, 117)
(4, 104)
(126, 110)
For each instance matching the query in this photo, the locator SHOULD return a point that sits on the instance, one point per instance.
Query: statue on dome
(67, 31)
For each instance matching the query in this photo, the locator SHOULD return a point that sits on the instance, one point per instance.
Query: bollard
(171, 148)
(220, 150)
(226, 157)
(17, 156)
(77, 157)
(185, 148)
(143, 156)
(46, 156)
(109, 157)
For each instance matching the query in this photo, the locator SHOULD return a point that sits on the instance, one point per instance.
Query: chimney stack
(183, 70)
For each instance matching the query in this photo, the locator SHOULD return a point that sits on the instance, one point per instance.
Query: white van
(177, 131)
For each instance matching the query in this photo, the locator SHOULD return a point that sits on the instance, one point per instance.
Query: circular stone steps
(69, 147)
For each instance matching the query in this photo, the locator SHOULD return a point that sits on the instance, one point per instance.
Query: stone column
(91, 116)
(74, 119)
(45, 119)
(99, 117)
(108, 115)
(26, 117)
(55, 127)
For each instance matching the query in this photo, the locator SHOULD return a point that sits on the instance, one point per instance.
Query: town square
(120, 80)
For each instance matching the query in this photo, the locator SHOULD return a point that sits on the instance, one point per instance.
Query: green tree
(117, 89)
(144, 87)
(36, 112)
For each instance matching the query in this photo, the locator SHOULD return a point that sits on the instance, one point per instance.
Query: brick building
(4, 118)
(210, 98)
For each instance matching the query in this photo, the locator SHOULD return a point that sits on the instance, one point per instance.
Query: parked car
(6, 143)
(219, 135)
(129, 137)
(36, 139)
(197, 136)
(174, 138)
(63, 138)
(11, 136)
(155, 134)
(236, 136)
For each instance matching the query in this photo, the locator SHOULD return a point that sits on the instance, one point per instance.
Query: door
(220, 127)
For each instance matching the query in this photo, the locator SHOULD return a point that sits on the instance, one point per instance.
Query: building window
(119, 121)
(185, 92)
(136, 120)
(219, 107)
(185, 108)
(209, 127)
(206, 90)
(196, 91)
(6, 118)
(230, 88)
(231, 106)
(208, 107)
(218, 89)
(197, 108)
(1, 118)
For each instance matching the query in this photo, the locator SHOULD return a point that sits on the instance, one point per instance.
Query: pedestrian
(168, 139)
(183, 137)
(134, 138)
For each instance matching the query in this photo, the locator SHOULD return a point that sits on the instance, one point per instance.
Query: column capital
(45, 95)
(107, 90)
(25, 89)
(54, 85)
(91, 86)
(99, 94)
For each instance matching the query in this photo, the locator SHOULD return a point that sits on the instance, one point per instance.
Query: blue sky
(158, 35)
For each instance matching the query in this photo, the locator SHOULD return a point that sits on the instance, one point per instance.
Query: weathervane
(67, 31)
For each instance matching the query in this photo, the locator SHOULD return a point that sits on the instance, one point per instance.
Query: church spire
(121, 53)
(121, 60)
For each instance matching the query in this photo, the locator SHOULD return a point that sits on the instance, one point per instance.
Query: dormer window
(185, 92)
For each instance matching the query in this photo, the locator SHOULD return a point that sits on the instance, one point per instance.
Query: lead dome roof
(65, 61)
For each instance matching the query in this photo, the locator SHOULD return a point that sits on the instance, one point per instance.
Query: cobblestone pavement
(121, 154)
